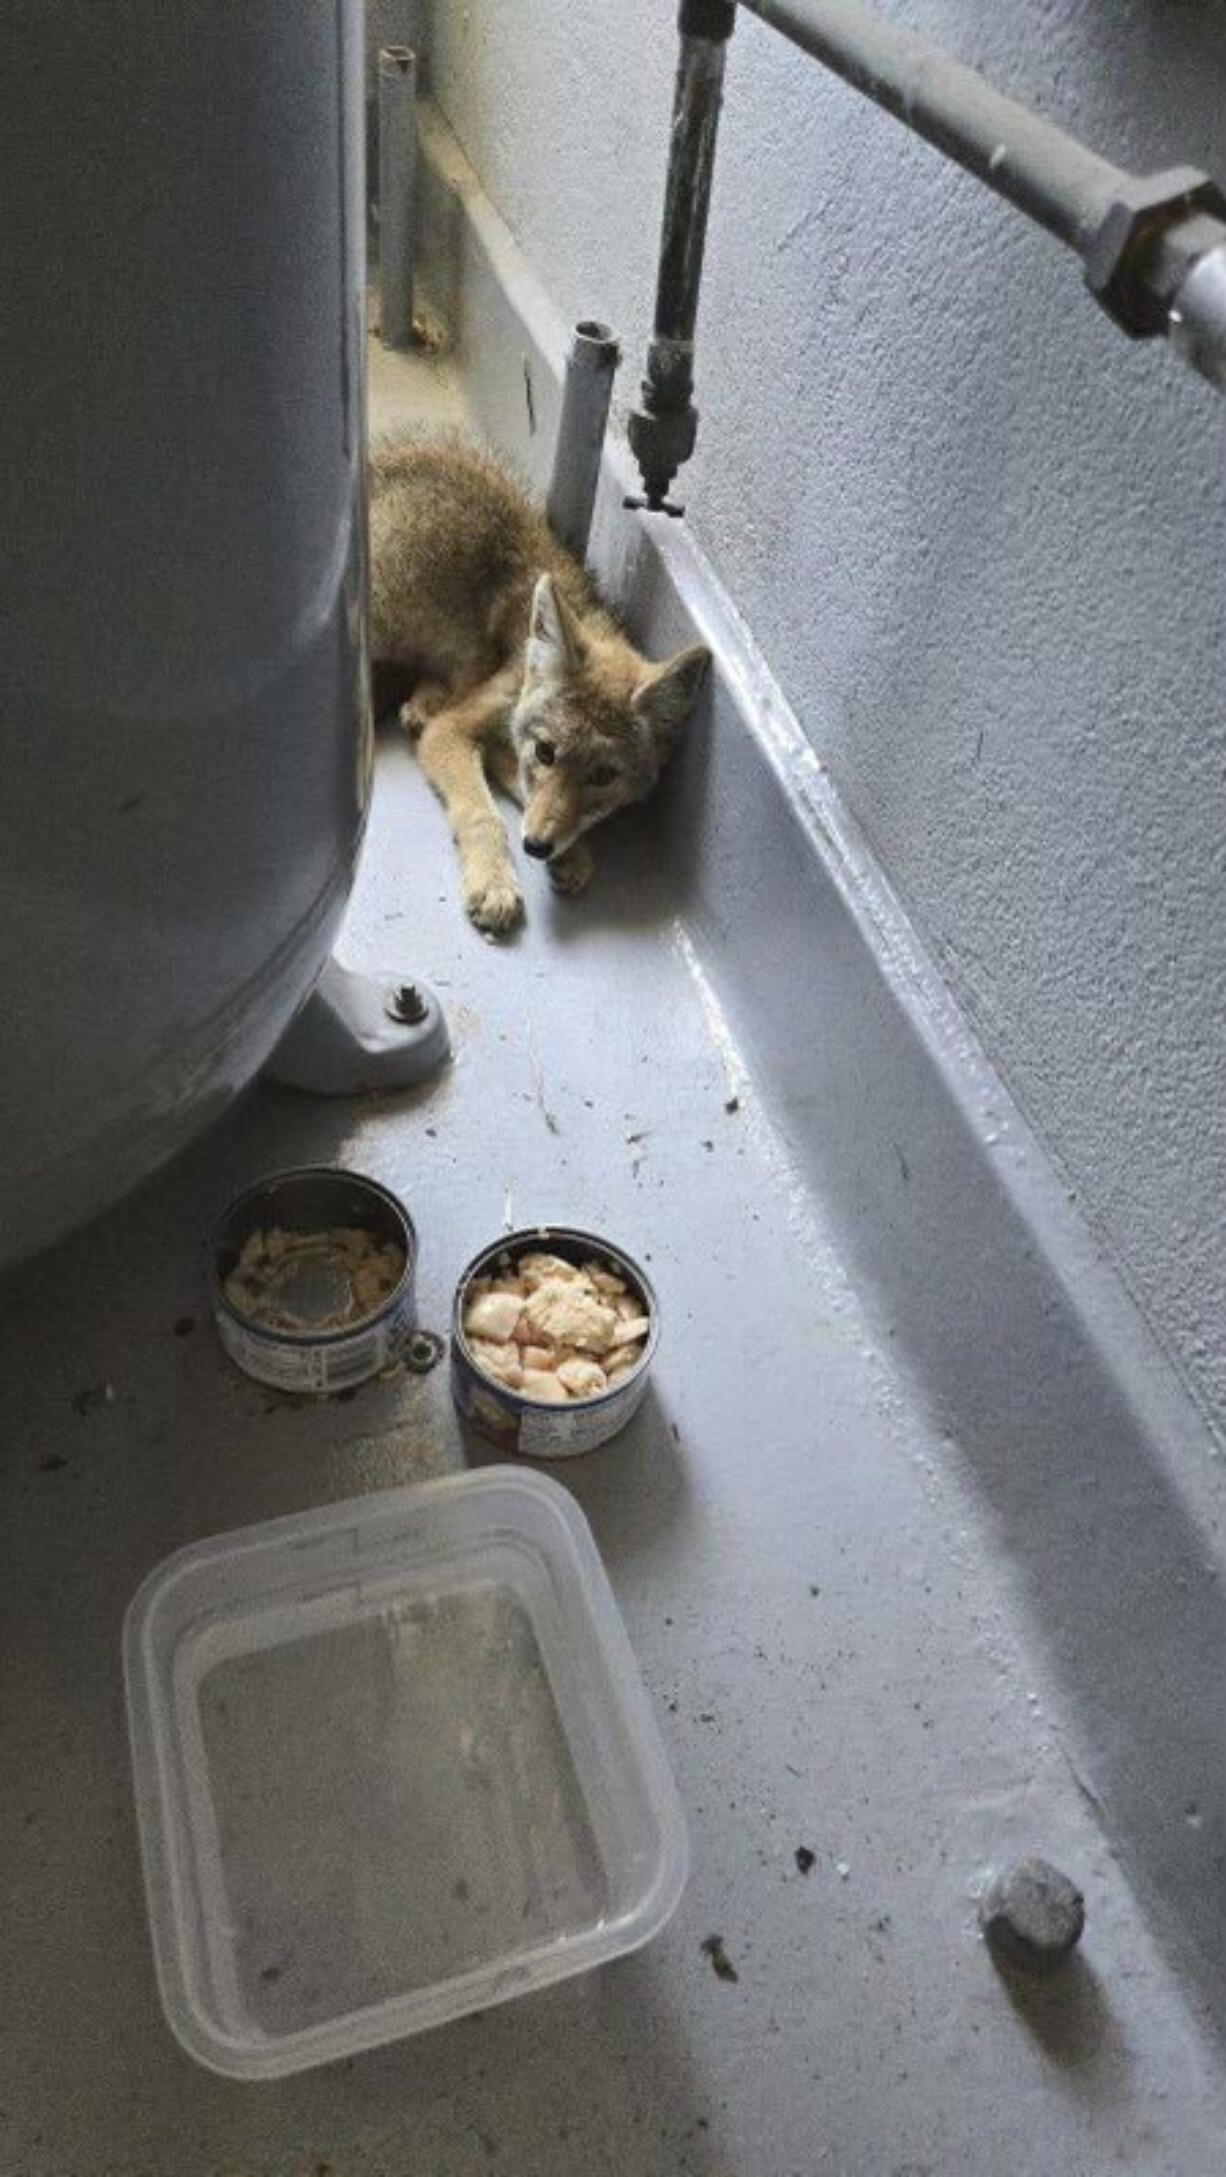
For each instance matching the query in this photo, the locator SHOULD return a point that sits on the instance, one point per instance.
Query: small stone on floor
(1032, 1915)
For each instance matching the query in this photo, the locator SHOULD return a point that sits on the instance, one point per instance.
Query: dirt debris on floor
(721, 1963)
(92, 1397)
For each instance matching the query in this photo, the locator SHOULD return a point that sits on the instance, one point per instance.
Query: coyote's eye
(604, 776)
(544, 751)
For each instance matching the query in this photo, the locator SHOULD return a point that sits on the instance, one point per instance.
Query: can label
(561, 1432)
(315, 1370)
(539, 1432)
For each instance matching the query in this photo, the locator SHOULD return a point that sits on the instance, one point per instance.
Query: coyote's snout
(519, 675)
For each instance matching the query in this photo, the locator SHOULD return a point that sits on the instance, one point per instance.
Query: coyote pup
(518, 675)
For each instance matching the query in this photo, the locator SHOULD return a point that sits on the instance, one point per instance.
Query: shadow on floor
(1070, 2018)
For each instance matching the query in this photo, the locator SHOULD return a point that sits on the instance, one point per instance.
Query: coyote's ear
(666, 695)
(554, 638)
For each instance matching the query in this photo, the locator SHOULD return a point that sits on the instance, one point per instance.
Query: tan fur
(512, 661)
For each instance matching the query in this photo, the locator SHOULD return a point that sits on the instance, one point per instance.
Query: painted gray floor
(823, 1619)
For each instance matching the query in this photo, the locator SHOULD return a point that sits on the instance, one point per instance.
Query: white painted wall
(977, 533)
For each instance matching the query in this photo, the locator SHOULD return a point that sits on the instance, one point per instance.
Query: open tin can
(322, 1355)
(505, 1417)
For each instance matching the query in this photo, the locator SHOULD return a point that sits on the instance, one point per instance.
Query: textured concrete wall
(977, 533)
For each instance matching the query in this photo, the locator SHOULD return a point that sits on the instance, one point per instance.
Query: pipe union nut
(1117, 257)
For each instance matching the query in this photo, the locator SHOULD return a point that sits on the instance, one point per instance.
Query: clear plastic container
(393, 1762)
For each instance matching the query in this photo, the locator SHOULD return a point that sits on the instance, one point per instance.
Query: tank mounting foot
(360, 1033)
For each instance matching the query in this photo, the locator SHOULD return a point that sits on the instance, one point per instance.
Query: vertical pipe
(662, 431)
(397, 192)
(593, 359)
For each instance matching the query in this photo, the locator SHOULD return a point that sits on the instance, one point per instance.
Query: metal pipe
(1153, 246)
(1198, 316)
(397, 192)
(1138, 235)
(590, 367)
(663, 430)
(1066, 188)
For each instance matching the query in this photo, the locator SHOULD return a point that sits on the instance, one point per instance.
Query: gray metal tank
(184, 734)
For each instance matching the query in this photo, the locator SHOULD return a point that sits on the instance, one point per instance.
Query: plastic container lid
(393, 1762)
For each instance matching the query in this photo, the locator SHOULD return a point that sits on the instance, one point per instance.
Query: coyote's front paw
(494, 903)
(429, 697)
(572, 871)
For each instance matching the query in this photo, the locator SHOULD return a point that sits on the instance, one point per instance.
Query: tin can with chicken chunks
(302, 1319)
(506, 1417)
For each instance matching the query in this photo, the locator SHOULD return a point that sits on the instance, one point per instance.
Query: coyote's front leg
(451, 752)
